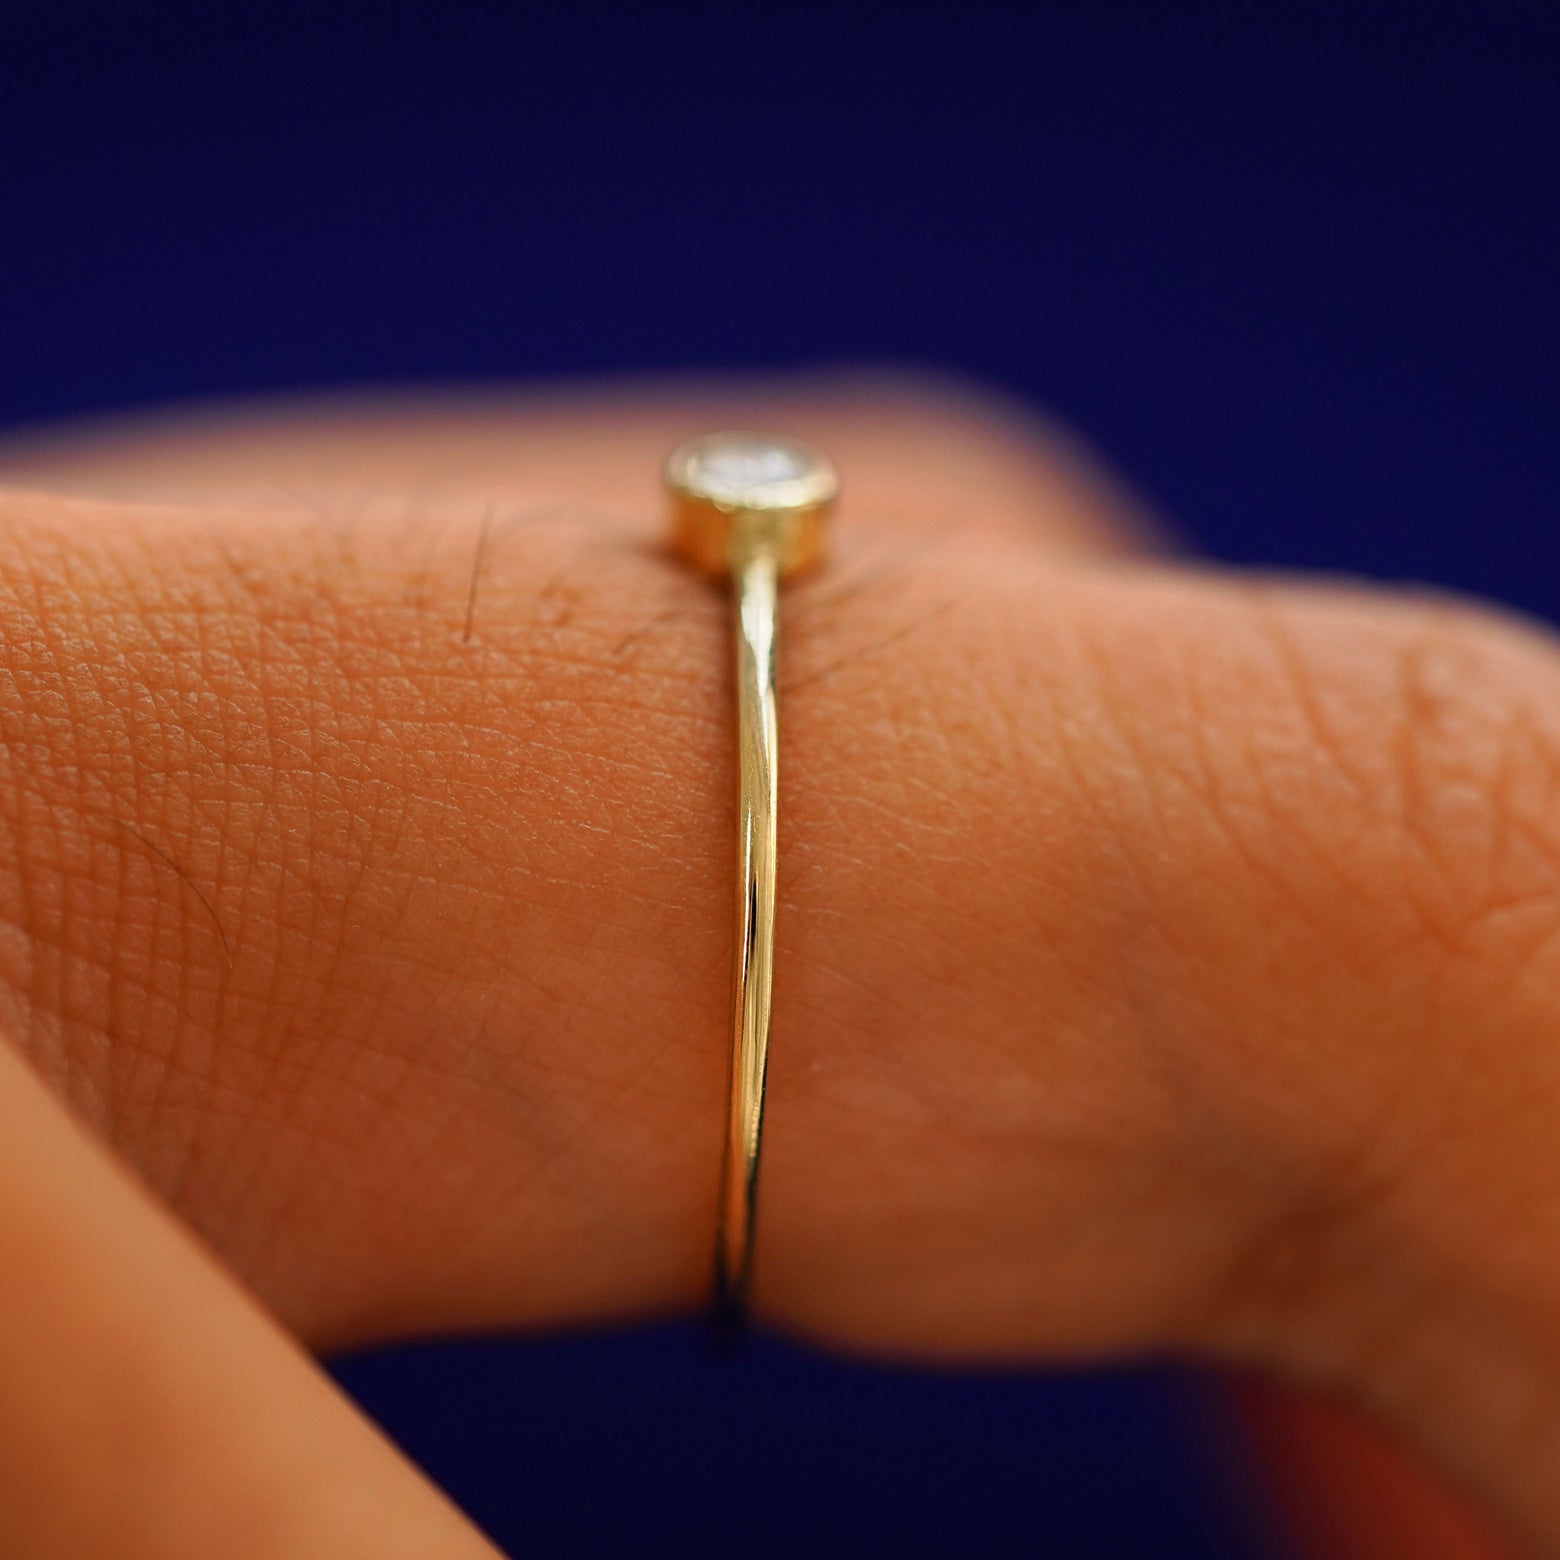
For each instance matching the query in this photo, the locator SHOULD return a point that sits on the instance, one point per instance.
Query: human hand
(1166, 956)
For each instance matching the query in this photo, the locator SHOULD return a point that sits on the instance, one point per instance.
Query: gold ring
(750, 508)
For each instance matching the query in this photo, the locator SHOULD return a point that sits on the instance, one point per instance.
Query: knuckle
(1477, 760)
(1402, 1001)
(1424, 756)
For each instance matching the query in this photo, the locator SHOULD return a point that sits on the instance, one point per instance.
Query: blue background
(1294, 268)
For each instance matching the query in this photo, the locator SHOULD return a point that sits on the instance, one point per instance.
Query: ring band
(749, 508)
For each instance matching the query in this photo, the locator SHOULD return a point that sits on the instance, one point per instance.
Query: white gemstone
(733, 468)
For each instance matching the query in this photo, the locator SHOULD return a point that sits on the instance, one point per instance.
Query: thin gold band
(749, 507)
(757, 581)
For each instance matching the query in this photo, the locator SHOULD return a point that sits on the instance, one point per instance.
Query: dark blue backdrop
(1294, 268)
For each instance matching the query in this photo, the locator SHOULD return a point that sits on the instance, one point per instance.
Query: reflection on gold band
(757, 600)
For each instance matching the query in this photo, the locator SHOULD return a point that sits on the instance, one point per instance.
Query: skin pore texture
(1166, 958)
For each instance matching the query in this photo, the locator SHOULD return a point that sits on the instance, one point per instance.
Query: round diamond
(761, 471)
(738, 465)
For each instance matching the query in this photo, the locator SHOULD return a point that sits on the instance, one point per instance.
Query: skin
(1167, 958)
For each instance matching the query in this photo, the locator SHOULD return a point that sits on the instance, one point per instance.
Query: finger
(1345, 1492)
(925, 457)
(146, 1407)
(1165, 962)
